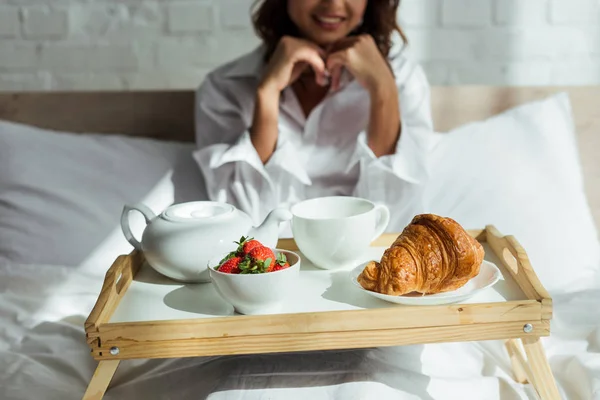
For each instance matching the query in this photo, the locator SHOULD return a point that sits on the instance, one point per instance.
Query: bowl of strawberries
(253, 278)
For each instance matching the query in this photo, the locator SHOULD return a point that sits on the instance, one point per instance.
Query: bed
(69, 161)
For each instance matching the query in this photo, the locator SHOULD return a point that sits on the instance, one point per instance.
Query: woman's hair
(272, 22)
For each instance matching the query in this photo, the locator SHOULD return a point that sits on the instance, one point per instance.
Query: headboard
(168, 115)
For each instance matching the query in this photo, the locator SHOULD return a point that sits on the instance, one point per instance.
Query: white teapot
(180, 241)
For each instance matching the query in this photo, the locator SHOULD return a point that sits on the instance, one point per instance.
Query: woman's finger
(336, 75)
(313, 58)
(325, 78)
(336, 59)
(298, 69)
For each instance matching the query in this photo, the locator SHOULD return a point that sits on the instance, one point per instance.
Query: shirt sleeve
(399, 177)
(227, 158)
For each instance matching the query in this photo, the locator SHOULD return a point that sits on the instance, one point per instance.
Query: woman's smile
(326, 21)
(329, 22)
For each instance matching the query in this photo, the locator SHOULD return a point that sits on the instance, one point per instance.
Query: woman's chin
(325, 38)
(327, 42)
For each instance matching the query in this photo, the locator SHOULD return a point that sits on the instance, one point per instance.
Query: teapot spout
(268, 232)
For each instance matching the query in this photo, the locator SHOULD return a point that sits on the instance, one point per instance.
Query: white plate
(488, 275)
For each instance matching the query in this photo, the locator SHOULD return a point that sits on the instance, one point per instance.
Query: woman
(327, 105)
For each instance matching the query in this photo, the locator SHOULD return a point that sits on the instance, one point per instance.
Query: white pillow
(520, 171)
(61, 194)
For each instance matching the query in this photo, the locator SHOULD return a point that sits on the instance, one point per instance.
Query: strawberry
(279, 267)
(280, 263)
(263, 256)
(245, 245)
(249, 245)
(251, 257)
(231, 266)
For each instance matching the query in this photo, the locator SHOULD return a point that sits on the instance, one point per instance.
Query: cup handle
(126, 228)
(383, 220)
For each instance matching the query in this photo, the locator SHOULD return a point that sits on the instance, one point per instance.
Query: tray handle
(116, 281)
(514, 258)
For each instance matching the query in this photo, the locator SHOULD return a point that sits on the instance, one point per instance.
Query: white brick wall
(156, 44)
(190, 17)
(466, 13)
(43, 23)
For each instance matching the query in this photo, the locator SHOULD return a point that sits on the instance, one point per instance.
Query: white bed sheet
(43, 355)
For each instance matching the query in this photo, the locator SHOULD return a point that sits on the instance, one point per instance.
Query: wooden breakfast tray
(170, 322)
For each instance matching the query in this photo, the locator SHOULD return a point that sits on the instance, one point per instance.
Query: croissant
(433, 254)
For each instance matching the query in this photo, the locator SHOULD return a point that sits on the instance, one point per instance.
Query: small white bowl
(253, 294)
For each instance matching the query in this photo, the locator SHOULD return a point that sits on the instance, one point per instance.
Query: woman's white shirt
(322, 155)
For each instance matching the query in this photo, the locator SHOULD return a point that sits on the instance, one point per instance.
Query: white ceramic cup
(335, 232)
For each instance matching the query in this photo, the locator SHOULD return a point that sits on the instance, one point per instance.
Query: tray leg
(101, 379)
(541, 375)
(519, 364)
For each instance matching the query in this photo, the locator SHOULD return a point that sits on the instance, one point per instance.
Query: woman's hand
(362, 58)
(292, 57)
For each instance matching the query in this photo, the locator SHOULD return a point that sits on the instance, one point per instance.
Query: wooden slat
(115, 285)
(479, 234)
(521, 255)
(515, 260)
(314, 341)
(166, 115)
(542, 377)
(287, 244)
(101, 379)
(547, 308)
(319, 322)
(453, 106)
(522, 372)
(156, 113)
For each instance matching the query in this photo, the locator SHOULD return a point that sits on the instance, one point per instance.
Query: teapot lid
(197, 210)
